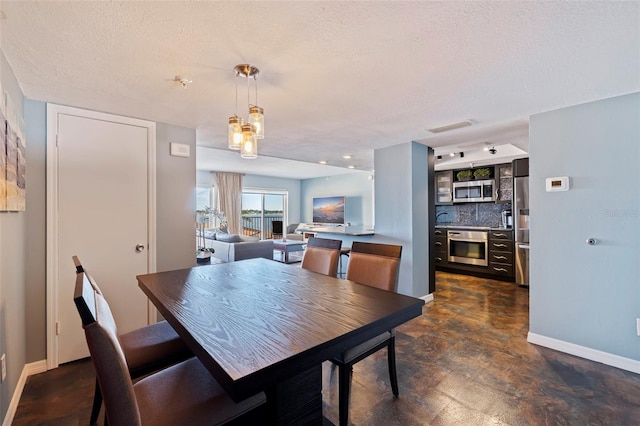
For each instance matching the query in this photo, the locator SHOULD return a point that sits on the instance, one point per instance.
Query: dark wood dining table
(259, 325)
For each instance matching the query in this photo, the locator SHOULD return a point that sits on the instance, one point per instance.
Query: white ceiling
(336, 77)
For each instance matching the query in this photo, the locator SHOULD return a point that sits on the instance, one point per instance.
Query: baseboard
(428, 298)
(28, 370)
(617, 361)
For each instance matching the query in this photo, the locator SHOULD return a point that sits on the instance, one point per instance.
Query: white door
(102, 216)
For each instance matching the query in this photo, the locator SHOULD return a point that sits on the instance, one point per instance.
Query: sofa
(232, 247)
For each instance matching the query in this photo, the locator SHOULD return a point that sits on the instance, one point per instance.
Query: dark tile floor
(465, 361)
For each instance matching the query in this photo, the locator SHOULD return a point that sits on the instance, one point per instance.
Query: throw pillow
(228, 238)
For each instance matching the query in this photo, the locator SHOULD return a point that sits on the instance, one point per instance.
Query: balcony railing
(253, 223)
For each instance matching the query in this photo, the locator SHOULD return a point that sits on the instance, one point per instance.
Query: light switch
(180, 150)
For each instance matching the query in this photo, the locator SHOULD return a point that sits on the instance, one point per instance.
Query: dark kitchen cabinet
(501, 253)
(441, 249)
(504, 183)
(444, 182)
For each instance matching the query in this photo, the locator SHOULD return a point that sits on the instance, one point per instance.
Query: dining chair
(374, 265)
(322, 256)
(147, 349)
(185, 393)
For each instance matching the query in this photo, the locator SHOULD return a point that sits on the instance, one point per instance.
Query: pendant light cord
(236, 94)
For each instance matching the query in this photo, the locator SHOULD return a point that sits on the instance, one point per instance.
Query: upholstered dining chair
(147, 349)
(322, 256)
(185, 393)
(374, 265)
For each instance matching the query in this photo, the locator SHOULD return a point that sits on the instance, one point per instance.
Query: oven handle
(470, 240)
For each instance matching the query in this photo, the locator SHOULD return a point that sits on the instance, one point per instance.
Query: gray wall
(13, 264)
(175, 199)
(402, 217)
(22, 235)
(35, 274)
(357, 188)
(292, 186)
(581, 294)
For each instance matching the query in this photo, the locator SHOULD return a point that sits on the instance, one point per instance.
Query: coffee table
(288, 247)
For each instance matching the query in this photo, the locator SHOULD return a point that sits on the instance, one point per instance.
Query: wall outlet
(638, 326)
(3, 360)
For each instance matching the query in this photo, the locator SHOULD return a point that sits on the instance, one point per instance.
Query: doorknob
(139, 248)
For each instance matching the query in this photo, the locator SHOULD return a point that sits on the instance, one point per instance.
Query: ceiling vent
(452, 126)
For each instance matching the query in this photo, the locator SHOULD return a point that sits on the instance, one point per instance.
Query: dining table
(263, 326)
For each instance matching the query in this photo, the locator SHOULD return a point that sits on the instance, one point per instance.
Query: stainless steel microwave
(474, 191)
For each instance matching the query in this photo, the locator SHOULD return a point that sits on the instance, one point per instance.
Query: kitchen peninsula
(305, 229)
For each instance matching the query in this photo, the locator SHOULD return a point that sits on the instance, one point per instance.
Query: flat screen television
(328, 210)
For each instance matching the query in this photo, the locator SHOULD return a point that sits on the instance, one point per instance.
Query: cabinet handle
(499, 234)
(439, 259)
(438, 232)
(499, 245)
(500, 269)
(438, 243)
(500, 257)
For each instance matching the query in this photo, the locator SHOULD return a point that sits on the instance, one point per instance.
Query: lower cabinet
(501, 253)
(441, 256)
(500, 256)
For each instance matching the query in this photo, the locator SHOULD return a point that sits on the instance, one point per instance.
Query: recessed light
(322, 161)
(452, 154)
(351, 166)
(346, 157)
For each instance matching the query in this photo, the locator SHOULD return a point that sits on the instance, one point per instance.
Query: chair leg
(345, 372)
(391, 356)
(97, 404)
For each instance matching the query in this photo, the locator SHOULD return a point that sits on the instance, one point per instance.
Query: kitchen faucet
(440, 214)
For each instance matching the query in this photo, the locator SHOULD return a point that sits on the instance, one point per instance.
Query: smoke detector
(183, 81)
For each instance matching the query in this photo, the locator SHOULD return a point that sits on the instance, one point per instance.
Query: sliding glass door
(260, 208)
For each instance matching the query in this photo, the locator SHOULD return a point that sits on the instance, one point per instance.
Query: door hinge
(58, 328)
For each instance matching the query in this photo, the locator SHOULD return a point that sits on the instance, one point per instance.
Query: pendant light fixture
(244, 136)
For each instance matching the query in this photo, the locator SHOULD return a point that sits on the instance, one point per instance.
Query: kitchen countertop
(475, 228)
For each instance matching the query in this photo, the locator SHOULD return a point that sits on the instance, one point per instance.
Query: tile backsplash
(471, 214)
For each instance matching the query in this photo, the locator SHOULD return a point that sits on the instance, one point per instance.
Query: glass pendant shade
(256, 118)
(249, 147)
(235, 132)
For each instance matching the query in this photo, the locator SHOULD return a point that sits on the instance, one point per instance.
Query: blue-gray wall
(175, 199)
(13, 265)
(587, 295)
(22, 234)
(402, 216)
(292, 186)
(357, 187)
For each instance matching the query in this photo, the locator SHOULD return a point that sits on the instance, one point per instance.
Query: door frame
(52, 259)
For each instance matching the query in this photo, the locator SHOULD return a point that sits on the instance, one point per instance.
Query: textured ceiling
(336, 77)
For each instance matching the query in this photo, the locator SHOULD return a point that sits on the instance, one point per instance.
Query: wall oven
(470, 247)
(474, 191)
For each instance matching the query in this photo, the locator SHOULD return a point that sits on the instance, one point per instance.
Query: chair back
(276, 226)
(322, 256)
(375, 265)
(106, 353)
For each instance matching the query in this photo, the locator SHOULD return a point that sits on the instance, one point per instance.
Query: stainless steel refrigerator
(521, 219)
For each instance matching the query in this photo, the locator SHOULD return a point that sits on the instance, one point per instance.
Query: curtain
(230, 199)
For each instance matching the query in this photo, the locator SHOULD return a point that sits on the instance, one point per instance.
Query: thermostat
(557, 184)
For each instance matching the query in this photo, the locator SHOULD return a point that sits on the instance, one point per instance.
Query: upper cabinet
(444, 181)
(504, 183)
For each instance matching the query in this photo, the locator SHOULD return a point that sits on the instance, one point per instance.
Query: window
(206, 196)
(260, 208)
